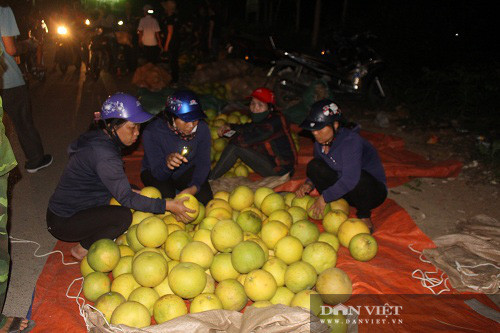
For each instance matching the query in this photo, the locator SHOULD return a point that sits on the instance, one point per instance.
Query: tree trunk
(317, 20)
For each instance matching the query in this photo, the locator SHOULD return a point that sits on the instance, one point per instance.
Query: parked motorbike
(67, 47)
(350, 66)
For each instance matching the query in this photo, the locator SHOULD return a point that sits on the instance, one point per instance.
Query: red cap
(264, 95)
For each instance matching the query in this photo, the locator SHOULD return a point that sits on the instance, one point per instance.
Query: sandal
(15, 325)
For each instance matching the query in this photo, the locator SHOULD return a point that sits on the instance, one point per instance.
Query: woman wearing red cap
(265, 144)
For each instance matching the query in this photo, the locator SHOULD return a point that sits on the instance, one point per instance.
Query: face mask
(258, 117)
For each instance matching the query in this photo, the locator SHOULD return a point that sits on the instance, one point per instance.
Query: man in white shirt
(149, 35)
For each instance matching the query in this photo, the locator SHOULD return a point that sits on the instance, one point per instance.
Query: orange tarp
(388, 273)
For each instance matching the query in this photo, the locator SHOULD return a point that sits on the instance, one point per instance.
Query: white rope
(425, 279)
(24, 241)
(463, 272)
(421, 254)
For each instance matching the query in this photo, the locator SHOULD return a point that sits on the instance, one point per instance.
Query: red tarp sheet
(388, 273)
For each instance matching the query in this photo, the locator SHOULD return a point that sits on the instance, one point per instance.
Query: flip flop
(16, 324)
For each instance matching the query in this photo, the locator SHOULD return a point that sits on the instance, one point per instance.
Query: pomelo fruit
(125, 251)
(277, 268)
(226, 234)
(247, 256)
(272, 232)
(288, 198)
(171, 264)
(192, 203)
(333, 219)
(232, 295)
(95, 284)
(308, 299)
(302, 202)
(249, 221)
(132, 240)
(124, 284)
(208, 223)
(163, 288)
(305, 231)
(175, 243)
(330, 239)
(187, 280)
(320, 255)
(219, 144)
(300, 276)
(311, 213)
(103, 255)
(340, 204)
(334, 286)
(124, 266)
(261, 244)
(241, 171)
(289, 249)
(138, 216)
(297, 213)
(151, 192)
(121, 240)
(147, 249)
(132, 314)
(255, 210)
(201, 214)
(210, 286)
(205, 302)
(283, 296)
(108, 302)
(222, 267)
(260, 194)
(241, 197)
(146, 296)
(169, 307)
(218, 203)
(224, 195)
(220, 213)
(347, 230)
(149, 269)
(260, 285)
(283, 216)
(363, 247)
(170, 219)
(198, 253)
(203, 235)
(152, 232)
(271, 203)
(85, 268)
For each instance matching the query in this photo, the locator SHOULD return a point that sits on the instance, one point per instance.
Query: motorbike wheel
(377, 93)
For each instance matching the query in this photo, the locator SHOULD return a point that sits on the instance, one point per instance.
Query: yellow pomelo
(347, 230)
(123, 266)
(173, 227)
(151, 192)
(114, 202)
(337, 323)
(308, 299)
(289, 249)
(255, 210)
(146, 296)
(219, 144)
(262, 245)
(170, 219)
(247, 256)
(247, 235)
(241, 197)
(203, 235)
(171, 264)
(222, 195)
(283, 296)
(220, 214)
(305, 231)
(192, 203)
(149, 269)
(95, 284)
(103, 255)
(312, 215)
(222, 267)
(249, 221)
(205, 302)
(233, 119)
(334, 286)
(175, 243)
(340, 204)
(277, 268)
(288, 198)
(169, 307)
(333, 219)
(260, 194)
(211, 113)
(132, 240)
(124, 284)
(261, 304)
(241, 279)
(163, 288)
(121, 240)
(297, 213)
(244, 119)
(302, 202)
(271, 203)
(300, 276)
(222, 116)
(226, 234)
(210, 286)
(241, 171)
(283, 216)
(232, 295)
(201, 214)
(320, 255)
(330, 239)
(208, 223)
(198, 253)
(363, 247)
(108, 302)
(125, 251)
(152, 232)
(235, 215)
(187, 280)
(147, 249)
(260, 285)
(138, 216)
(272, 232)
(132, 314)
(85, 268)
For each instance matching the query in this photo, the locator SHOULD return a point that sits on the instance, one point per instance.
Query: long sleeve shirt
(159, 141)
(93, 175)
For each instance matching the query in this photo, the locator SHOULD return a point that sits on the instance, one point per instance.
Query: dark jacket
(93, 175)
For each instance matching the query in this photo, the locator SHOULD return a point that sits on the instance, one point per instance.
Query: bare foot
(8, 322)
(78, 252)
(368, 222)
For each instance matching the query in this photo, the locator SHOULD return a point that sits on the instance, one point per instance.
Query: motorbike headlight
(87, 22)
(62, 30)
(120, 22)
(150, 11)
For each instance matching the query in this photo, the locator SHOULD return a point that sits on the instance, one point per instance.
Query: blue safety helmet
(124, 106)
(322, 113)
(185, 105)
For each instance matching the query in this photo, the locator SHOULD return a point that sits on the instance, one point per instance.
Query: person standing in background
(149, 35)
(172, 41)
(16, 100)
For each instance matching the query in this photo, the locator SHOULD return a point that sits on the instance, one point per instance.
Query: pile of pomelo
(244, 248)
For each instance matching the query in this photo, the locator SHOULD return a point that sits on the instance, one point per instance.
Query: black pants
(151, 53)
(90, 225)
(368, 194)
(169, 187)
(16, 103)
(261, 164)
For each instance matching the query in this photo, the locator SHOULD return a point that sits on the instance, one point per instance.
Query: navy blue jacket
(159, 141)
(348, 155)
(93, 175)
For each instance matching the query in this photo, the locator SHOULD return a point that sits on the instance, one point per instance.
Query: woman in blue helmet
(79, 209)
(344, 166)
(177, 149)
